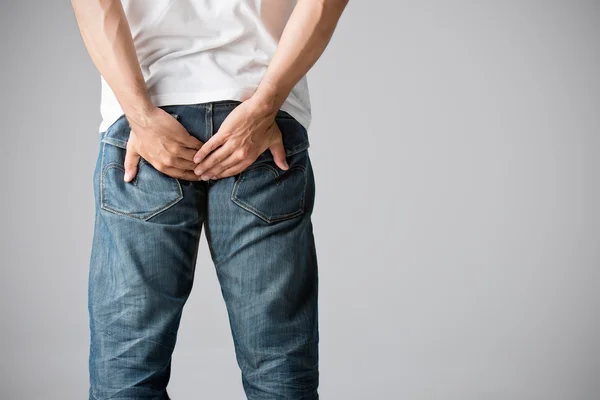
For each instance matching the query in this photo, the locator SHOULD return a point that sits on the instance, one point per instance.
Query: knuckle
(159, 165)
(169, 159)
(172, 150)
(242, 154)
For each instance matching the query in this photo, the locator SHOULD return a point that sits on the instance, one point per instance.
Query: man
(205, 112)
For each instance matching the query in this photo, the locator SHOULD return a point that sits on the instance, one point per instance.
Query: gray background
(455, 147)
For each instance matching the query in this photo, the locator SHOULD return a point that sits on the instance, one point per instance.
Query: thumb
(132, 158)
(279, 156)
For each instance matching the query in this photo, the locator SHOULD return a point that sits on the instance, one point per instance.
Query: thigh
(142, 264)
(260, 232)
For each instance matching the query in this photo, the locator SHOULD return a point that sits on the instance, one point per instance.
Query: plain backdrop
(456, 151)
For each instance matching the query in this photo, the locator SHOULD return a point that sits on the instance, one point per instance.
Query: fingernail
(126, 177)
(204, 177)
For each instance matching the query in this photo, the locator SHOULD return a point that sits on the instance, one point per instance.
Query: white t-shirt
(196, 51)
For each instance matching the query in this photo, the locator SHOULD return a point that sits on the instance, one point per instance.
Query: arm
(106, 34)
(107, 37)
(303, 40)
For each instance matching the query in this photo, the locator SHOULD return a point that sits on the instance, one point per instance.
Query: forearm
(105, 32)
(304, 39)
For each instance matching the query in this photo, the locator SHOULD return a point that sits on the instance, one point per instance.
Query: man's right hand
(165, 144)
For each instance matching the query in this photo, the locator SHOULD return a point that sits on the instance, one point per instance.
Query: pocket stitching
(104, 206)
(259, 213)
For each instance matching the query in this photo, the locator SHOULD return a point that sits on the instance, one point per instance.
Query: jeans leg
(261, 235)
(141, 272)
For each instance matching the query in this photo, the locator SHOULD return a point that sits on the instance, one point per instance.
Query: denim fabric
(145, 243)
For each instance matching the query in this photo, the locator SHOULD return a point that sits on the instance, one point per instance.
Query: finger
(188, 175)
(180, 157)
(212, 173)
(209, 146)
(180, 163)
(214, 158)
(191, 142)
(279, 155)
(231, 171)
(232, 166)
(178, 173)
(186, 153)
(132, 158)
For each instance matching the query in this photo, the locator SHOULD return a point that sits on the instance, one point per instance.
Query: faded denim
(143, 257)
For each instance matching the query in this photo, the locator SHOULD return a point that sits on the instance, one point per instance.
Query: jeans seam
(208, 116)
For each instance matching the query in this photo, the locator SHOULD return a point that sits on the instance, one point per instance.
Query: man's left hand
(246, 133)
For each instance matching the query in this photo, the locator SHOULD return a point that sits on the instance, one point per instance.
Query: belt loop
(209, 120)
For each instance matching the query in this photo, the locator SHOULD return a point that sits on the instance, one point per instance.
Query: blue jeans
(146, 235)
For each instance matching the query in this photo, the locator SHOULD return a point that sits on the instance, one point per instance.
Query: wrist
(269, 96)
(139, 114)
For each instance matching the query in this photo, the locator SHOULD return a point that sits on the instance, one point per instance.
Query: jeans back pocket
(269, 192)
(148, 194)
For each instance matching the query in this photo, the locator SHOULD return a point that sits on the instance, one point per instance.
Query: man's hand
(248, 131)
(164, 143)
(250, 128)
(155, 135)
